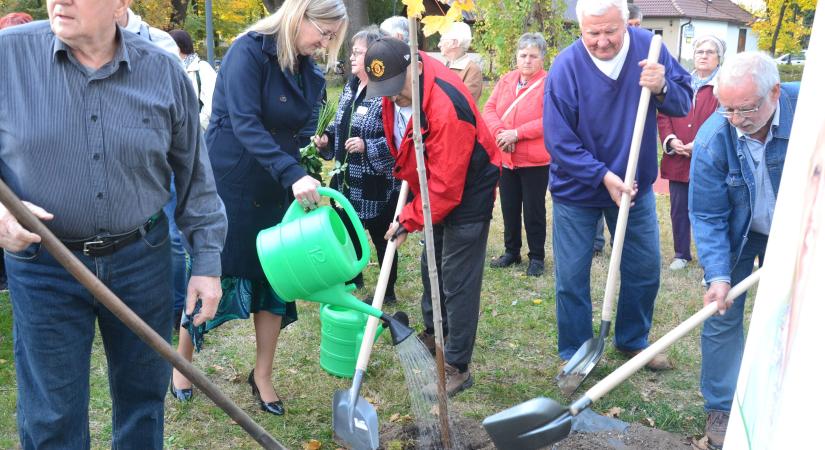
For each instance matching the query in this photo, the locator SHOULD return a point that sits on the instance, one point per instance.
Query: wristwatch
(664, 90)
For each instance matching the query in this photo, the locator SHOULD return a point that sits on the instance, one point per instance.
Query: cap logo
(377, 68)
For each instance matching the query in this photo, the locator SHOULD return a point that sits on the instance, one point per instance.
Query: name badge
(361, 110)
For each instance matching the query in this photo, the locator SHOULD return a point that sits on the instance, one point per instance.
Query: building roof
(721, 10)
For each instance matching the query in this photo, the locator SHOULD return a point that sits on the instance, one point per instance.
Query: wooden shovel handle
(629, 179)
(637, 362)
(380, 288)
(130, 319)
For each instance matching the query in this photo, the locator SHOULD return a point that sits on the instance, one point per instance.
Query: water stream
(419, 371)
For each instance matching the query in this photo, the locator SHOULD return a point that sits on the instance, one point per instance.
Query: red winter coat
(677, 167)
(462, 161)
(526, 118)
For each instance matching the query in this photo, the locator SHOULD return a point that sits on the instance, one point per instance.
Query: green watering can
(342, 331)
(310, 256)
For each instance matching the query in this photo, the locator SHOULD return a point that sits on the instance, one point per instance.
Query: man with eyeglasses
(737, 163)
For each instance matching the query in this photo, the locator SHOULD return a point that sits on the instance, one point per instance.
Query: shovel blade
(355, 425)
(533, 424)
(580, 365)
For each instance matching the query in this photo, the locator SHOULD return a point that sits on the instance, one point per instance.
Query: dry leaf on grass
(701, 444)
(494, 314)
(395, 417)
(537, 301)
(613, 412)
(313, 444)
(650, 422)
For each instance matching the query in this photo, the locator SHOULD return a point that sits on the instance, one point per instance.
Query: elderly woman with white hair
(514, 115)
(677, 134)
(454, 45)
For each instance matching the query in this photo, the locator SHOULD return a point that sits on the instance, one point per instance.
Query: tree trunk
(358, 19)
(272, 5)
(179, 8)
(778, 28)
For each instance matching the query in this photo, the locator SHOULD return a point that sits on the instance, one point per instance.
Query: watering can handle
(295, 211)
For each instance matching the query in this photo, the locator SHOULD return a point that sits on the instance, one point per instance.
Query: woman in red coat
(514, 116)
(677, 134)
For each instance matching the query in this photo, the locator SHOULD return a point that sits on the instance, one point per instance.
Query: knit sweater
(589, 120)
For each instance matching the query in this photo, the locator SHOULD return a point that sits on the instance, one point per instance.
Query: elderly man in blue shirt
(735, 171)
(94, 122)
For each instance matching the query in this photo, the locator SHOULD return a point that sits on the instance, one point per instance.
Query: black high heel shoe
(181, 395)
(276, 407)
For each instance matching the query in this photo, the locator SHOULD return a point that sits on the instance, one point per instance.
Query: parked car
(794, 59)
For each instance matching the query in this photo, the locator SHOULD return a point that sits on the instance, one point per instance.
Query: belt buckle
(88, 246)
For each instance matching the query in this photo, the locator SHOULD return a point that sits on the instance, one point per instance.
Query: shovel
(541, 421)
(588, 355)
(354, 420)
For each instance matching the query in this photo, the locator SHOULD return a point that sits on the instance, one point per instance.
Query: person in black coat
(264, 96)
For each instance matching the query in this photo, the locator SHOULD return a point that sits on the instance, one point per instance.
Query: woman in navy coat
(265, 93)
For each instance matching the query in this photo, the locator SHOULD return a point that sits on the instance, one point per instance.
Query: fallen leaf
(494, 314)
(645, 397)
(395, 417)
(613, 412)
(650, 422)
(537, 301)
(701, 444)
(511, 345)
(217, 367)
(312, 445)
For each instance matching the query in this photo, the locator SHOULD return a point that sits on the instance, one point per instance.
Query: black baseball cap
(386, 64)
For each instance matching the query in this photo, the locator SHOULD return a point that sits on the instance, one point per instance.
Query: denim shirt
(722, 191)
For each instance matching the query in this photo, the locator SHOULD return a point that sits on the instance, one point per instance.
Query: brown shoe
(455, 383)
(715, 428)
(428, 340)
(659, 362)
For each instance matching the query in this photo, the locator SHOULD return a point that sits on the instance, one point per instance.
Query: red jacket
(526, 118)
(677, 167)
(462, 162)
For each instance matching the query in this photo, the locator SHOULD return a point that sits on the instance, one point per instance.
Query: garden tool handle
(629, 179)
(380, 288)
(115, 305)
(637, 362)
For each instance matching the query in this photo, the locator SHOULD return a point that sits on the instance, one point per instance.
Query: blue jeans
(723, 338)
(54, 326)
(180, 264)
(574, 228)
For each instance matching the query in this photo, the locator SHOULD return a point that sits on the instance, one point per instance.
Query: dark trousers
(460, 251)
(377, 228)
(524, 189)
(679, 220)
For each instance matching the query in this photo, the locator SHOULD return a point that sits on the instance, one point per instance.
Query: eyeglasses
(358, 52)
(704, 52)
(743, 113)
(325, 34)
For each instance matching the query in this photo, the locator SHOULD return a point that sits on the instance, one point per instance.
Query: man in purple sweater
(590, 102)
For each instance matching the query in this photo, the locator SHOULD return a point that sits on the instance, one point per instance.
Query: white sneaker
(678, 264)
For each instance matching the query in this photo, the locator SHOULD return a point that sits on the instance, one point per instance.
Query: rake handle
(380, 288)
(114, 304)
(629, 178)
(637, 362)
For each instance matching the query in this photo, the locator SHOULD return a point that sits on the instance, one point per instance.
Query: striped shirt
(97, 148)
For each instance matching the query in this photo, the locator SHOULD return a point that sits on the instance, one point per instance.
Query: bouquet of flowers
(310, 158)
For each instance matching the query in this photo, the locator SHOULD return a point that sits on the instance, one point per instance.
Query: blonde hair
(285, 24)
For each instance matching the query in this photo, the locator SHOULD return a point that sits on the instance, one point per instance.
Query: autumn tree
(785, 25)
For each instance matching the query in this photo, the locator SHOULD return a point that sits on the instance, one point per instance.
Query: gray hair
(600, 7)
(533, 40)
(397, 27)
(368, 34)
(756, 66)
(634, 12)
(460, 31)
(721, 48)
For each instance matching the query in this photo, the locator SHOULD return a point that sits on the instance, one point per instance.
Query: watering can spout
(398, 324)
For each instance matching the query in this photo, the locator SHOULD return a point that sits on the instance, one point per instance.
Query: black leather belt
(103, 245)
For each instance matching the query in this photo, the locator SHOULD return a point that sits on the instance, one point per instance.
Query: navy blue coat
(253, 142)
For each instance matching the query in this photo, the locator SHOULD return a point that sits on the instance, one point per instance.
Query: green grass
(514, 360)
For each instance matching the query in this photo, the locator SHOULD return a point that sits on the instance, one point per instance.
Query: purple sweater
(589, 120)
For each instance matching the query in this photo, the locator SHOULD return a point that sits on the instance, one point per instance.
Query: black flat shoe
(276, 407)
(181, 395)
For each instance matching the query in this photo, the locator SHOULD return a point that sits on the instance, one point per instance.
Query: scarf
(697, 83)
